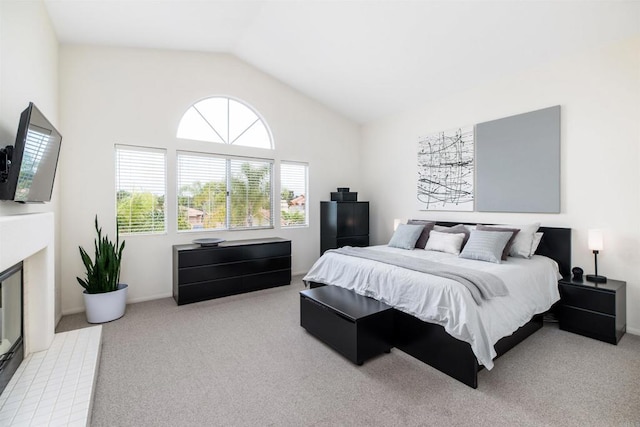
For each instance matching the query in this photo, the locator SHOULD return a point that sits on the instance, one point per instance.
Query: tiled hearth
(55, 387)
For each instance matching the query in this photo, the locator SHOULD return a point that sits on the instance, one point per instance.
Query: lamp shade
(595, 240)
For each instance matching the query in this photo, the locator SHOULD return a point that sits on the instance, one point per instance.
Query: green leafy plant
(102, 273)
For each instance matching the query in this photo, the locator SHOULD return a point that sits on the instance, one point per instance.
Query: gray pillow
(424, 236)
(522, 244)
(486, 245)
(507, 248)
(406, 236)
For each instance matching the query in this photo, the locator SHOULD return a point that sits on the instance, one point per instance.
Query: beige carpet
(245, 360)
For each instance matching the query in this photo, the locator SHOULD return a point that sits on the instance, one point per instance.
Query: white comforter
(532, 284)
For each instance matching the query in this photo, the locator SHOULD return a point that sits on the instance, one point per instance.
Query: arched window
(226, 121)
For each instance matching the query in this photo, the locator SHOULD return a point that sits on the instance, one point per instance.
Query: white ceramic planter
(107, 306)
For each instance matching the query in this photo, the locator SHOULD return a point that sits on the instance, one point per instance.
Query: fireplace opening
(11, 323)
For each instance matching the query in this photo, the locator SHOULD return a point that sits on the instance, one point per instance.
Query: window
(250, 193)
(217, 193)
(226, 121)
(293, 194)
(140, 190)
(202, 192)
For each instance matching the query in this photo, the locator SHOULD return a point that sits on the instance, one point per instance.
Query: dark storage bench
(355, 326)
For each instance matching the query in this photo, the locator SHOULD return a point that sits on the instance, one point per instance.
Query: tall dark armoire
(343, 224)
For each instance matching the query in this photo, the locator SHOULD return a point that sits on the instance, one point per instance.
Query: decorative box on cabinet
(594, 310)
(232, 267)
(343, 224)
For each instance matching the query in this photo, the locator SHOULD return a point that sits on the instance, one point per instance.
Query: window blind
(250, 193)
(140, 189)
(217, 193)
(293, 194)
(202, 192)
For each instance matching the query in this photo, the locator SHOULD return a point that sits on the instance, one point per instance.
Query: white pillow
(523, 242)
(445, 242)
(536, 242)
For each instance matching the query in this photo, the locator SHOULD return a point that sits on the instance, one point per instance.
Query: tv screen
(34, 159)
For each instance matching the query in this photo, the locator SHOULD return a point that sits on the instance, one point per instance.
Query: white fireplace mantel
(55, 382)
(30, 238)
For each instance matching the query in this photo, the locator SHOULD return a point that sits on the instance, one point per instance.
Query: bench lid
(345, 301)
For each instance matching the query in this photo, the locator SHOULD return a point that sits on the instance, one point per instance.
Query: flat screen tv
(32, 160)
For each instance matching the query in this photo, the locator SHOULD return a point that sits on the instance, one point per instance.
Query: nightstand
(595, 310)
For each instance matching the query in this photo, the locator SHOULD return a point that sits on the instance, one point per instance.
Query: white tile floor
(55, 387)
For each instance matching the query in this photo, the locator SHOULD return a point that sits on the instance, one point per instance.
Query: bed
(464, 340)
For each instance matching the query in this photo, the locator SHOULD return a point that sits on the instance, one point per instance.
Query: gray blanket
(482, 285)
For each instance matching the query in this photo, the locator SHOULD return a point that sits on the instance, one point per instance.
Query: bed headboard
(555, 244)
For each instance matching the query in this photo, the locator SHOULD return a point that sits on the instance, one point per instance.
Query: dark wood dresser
(594, 310)
(233, 267)
(343, 224)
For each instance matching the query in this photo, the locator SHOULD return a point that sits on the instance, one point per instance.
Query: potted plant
(105, 298)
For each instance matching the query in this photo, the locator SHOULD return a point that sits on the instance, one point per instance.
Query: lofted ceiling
(364, 59)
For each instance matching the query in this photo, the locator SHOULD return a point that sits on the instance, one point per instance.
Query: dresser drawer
(221, 271)
(266, 280)
(225, 254)
(589, 299)
(588, 323)
(207, 290)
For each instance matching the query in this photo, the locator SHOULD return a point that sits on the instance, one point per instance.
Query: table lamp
(596, 244)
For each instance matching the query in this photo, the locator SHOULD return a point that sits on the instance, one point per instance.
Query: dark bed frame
(431, 344)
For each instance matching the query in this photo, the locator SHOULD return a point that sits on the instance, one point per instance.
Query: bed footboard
(431, 344)
(507, 343)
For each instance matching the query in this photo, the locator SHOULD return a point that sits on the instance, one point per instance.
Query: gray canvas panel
(518, 163)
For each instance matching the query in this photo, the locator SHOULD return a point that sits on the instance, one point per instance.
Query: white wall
(28, 72)
(137, 96)
(599, 92)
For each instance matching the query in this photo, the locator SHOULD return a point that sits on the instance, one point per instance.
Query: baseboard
(150, 298)
(633, 331)
(76, 310)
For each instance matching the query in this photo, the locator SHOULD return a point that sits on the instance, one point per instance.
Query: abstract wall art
(445, 170)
